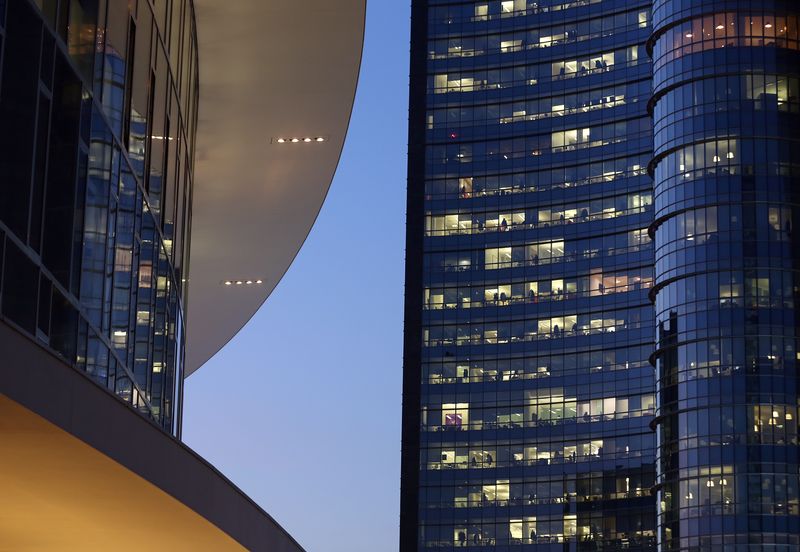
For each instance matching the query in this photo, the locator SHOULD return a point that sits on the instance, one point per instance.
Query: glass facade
(528, 390)
(98, 102)
(727, 170)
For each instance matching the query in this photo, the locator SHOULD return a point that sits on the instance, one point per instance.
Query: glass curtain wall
(527, 386)
(98, 103)
(727, 174)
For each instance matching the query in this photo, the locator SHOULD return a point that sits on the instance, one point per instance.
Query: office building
(528, 390)
(136, 138)
(597, 189)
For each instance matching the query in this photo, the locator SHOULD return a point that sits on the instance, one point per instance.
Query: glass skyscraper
(598, 188)
(528, 386)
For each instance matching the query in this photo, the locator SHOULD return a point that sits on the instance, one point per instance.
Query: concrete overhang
(80, 470)
(267, 70)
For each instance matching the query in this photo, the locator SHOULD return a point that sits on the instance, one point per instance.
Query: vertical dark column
(412, 341)
(726, 111)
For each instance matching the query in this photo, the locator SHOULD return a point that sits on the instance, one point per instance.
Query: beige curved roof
(269, 70)
(81, 470)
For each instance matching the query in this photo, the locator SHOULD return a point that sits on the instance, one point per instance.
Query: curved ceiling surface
(269, 70)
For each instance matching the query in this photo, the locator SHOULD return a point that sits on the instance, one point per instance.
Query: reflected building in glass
(528, 390)
(98, 105)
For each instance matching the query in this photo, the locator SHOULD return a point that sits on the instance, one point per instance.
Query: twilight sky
(302, 409)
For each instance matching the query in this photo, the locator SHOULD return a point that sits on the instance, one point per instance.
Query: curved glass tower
(726, 167)
(97, 110)
(527, 386)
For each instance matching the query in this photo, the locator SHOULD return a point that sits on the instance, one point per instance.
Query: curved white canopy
(268, 69)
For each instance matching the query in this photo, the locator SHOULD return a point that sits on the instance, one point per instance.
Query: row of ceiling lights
(296, 140)
(242, 282)
(720, 27)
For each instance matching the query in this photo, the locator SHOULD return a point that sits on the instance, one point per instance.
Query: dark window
(43, 323)
(63, 326)
(20, 284)
(40, 174)
(18, 103)
(60, 194)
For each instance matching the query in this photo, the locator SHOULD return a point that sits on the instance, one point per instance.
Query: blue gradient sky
(302, 409)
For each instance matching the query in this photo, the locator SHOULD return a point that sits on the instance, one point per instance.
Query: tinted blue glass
(726, 174)
(532, 384)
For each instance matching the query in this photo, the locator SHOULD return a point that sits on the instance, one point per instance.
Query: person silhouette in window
(462, 538)
(504, 224)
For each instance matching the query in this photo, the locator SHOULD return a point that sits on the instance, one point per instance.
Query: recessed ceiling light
(295, 140)
(239, 282)
(281, 140)
(306, 139)
(720, 27)
(228, 282)
(259, 281)
(320, 139)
